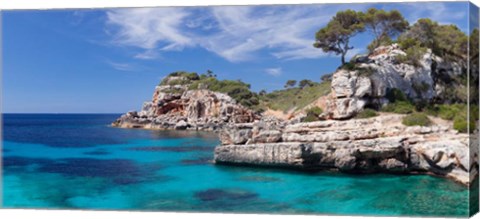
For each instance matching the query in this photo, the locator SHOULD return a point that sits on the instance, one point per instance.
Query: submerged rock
(227, 195)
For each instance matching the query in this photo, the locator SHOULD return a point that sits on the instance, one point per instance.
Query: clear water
(78, 162)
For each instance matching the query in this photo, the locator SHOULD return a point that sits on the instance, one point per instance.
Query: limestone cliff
(340, 141)
(367, 83)
(178, 107)
(380, 144)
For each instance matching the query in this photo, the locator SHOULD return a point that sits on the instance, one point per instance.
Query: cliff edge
(380, 144)
(175, 105)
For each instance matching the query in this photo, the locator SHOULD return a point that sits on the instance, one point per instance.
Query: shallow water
(77, 161)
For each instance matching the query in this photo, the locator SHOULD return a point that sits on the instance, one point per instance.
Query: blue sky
(109, 60)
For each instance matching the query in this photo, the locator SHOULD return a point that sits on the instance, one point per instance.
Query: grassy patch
(457, 113)
(298, 98)
(400, 107)
(183, 78)
(414, 119)
(399, 102)
(313, 114)
(238, 90)
(461, 124)
(366, 113)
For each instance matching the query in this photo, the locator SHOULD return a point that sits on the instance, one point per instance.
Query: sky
(110, 60)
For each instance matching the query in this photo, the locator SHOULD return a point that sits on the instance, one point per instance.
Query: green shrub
(421, 105)
(310, 118)
(474, 112)
(414, 119)
(460, 121)
(407, 42)
(400, 107)
(348, 66)
(366, 72)
(384, 41)
(420, 87)
(236, 89)
(446, 111)
(313, 114)
(461, 124)
(188, 77)
(413, 53)
(177, 82)
(457, 113)
(367, 113)
(192, 76)
(315, 110)
(395, 94)
(399, 102)
(326, 77)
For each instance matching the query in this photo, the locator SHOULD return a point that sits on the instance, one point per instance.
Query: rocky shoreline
(339, 141)
(379, 144)
(186, 110)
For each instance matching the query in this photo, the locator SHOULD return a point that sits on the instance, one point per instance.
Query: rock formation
(380, 144)
(340, 142)
(177, 107)
(381, 71)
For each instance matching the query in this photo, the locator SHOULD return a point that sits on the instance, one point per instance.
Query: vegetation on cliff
(238, 90)
(313, 114)
(414, 119)
(383, 25)
(366, 113)
(295, 97)
(447, 42)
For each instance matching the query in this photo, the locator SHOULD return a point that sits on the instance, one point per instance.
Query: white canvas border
(80, 214)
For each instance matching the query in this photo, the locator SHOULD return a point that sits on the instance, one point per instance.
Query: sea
(78, 161)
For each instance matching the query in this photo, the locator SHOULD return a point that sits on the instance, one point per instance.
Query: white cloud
(244, 33)
(288, 32)
(152, 29)
(274, 71)
(437, 11)
(121, 66)
(235, 33)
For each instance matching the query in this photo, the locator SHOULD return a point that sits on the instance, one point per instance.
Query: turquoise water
(78, 162)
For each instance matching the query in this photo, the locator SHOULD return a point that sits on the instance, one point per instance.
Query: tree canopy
(335, 37)
(304, 83)
(290, 83)
(387, 27)
(444, 40)
(383, 25)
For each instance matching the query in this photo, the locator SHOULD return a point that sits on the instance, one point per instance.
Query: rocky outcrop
(377, 73)
(177, 107)
(380, 144)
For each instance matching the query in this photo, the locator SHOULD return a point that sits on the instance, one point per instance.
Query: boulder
(181, 125)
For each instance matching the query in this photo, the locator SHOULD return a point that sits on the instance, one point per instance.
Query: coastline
(402, 130)
(357, 153)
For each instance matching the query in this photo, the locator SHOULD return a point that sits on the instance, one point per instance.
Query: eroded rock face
(379, 144)
(176, 107)
(266, 130)
(381, 71)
